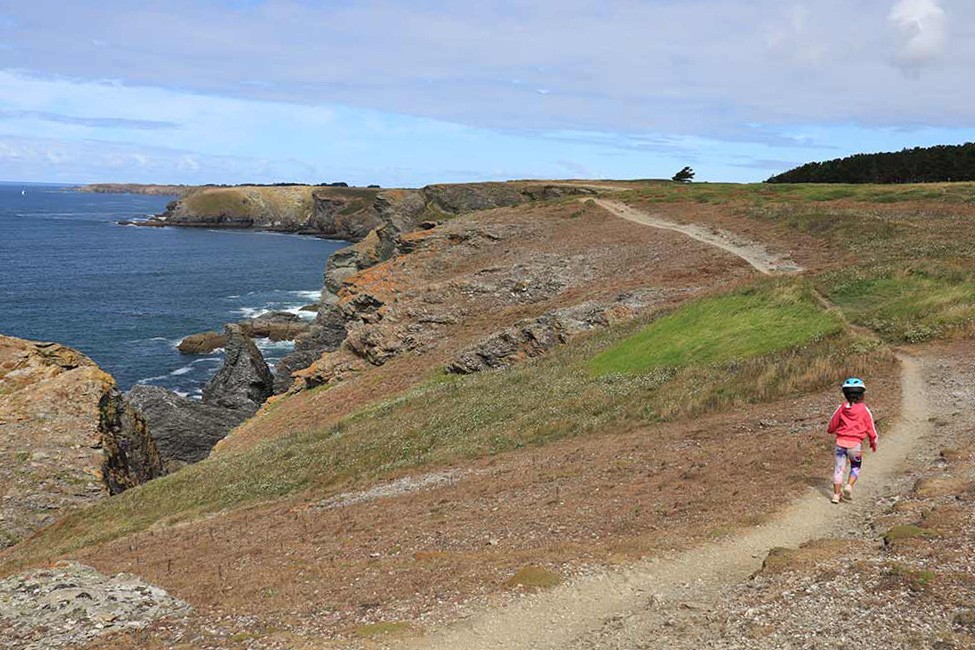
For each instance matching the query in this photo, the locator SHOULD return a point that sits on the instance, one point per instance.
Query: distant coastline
(135, 188)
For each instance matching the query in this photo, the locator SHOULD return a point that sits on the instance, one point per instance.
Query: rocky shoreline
(149, 432)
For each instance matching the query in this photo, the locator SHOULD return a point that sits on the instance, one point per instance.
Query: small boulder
(202, 343)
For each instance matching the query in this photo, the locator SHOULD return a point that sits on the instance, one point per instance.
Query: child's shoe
(848, 492)
(835, 499)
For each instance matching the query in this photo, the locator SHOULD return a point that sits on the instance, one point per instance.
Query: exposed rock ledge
(185, 430)
(275, 325)
(69, 437)
(70, 605)
(400, 212)
(65, 440)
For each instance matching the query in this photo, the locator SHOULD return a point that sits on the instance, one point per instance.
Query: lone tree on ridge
(685, 175)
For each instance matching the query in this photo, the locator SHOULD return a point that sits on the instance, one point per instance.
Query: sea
(126, 295)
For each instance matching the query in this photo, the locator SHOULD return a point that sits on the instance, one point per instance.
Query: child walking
(852, 423)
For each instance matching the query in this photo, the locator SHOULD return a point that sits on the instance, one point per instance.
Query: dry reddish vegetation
(903, 580)
(434, 554)
(477, 276)
(294, 572)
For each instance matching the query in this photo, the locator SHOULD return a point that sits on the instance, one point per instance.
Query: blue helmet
(854, 383)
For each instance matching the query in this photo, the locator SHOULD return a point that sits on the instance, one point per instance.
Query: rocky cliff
(68, 436)
(131, 456)
(400, 212)
(184, 430)
(244, 381)
(334, 212)
(55, 454)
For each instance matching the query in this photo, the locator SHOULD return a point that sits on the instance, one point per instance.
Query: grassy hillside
(741, 325)
(279, 203)
(529, 405)
(898, 259)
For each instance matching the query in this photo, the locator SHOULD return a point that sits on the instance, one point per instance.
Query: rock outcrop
(533, 337)
(131, 455)
(244, 381)
(202, 343)
(67, 436)
(180, 430)
(70, 605)
(274, 325)
(336, 212)
(50, 444)
(184, 430)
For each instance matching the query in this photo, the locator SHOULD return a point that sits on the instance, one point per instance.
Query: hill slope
(648, 431)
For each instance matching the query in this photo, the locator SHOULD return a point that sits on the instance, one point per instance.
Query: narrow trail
(752, 252)
(581, 614)
(622, 609)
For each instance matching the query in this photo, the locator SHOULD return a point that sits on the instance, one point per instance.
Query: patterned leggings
(840, 456)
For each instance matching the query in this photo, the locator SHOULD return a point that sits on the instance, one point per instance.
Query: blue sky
(409, 93)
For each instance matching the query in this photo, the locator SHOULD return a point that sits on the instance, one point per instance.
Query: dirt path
(752, 252)
(621, 610)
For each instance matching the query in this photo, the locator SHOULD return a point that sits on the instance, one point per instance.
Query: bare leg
(839, 468)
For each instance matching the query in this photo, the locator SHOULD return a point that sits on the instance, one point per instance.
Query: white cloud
(703, 67)
(923, 30)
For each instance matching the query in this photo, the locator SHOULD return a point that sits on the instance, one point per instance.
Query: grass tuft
(903, 532)
(384, 629)
(532, 578)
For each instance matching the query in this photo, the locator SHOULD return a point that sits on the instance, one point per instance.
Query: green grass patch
(906, 305)
(744, 324)
(901, 532)
(533, 578)
(384, 629)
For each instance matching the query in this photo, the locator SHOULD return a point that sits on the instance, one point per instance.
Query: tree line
(943, 163)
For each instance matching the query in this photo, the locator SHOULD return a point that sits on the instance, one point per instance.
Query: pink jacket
(851, 424)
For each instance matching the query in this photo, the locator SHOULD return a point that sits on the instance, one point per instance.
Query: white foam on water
(251, 312)
(150, 379)
(182, 371)
(296, 310)
(310, 296)
(273, 346)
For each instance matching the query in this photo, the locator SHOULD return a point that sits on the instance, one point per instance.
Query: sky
(410, 93)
